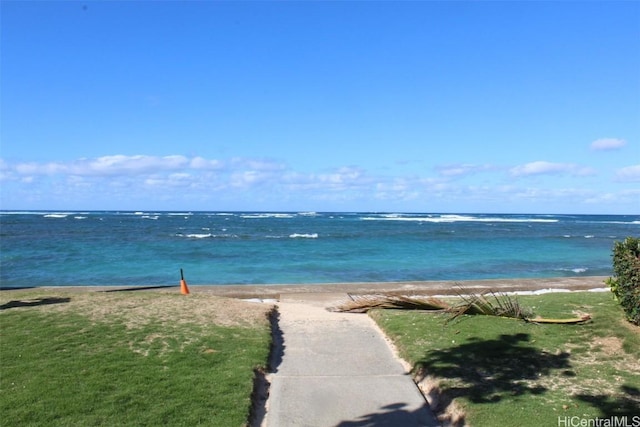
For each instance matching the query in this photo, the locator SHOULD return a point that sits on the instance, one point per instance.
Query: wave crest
(304, 236)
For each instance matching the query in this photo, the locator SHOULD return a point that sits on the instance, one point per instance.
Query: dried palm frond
(503, 305)
(364, 303)
(487, 304)
(571, 321)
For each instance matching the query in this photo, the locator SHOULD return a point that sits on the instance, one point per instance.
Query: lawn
(71, 358)
(491, 371)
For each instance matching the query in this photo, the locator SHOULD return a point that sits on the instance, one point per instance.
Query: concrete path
(337, 369)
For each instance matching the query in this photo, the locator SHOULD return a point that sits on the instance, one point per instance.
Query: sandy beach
(364, 288)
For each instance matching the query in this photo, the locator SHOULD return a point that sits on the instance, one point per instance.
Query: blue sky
(516, 107)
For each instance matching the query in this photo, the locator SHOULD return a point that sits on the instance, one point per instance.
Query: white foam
(554, 290)
(635, 222)
(452, 218)
(539, 292)
(207, 236)
(261, 300)
(267, 215)
(576, 270)
(304, 236)
(199, 235)
(50, 215)
(20, 212)
(56, 215)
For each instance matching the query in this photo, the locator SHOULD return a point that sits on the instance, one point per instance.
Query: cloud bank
(197, 183)
(550, 168)
(629, 174)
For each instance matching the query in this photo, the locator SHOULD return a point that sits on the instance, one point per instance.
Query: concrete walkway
(337, 369)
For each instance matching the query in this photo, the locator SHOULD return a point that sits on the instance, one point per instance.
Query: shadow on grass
(625, 403)
(486, 371)
(394, 415)
(34, 302)
(141, 288)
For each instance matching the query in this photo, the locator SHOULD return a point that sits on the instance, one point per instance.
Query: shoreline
(431, 288)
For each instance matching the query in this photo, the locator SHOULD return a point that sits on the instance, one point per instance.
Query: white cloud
(341, 175)
(33, 168)
(538, 168)
(628, 174)
(256, 164)
(624, 197)
(550, 168)
(202, 163)
(146, 181)
(104, 166)
(108, 165)
(606, 144)
(246, 179)
(346, 179)
(462, 169)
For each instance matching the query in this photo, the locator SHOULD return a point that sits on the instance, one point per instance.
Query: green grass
(508, 372)
(129, 359)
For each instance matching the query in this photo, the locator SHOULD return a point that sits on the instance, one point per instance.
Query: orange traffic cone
(184, 289)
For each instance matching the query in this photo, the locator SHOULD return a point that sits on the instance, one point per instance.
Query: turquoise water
(214, 248)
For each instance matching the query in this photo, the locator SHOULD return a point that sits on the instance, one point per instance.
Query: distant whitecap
(304, 236)
(267, 215)
(199, 235)
(452, 218)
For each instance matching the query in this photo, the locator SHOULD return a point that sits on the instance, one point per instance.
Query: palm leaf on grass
(571, 321)
(364, 303)
(501, 305)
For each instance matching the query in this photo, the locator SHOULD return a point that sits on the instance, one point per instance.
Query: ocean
(221, 248)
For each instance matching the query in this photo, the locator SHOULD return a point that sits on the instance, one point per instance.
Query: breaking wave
(452, 218)
(304, 236)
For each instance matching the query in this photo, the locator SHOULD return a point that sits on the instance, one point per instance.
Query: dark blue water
(149, 248)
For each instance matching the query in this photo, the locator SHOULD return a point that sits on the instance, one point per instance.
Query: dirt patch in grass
(174, 321)
(485, 370)
(108, 358)
(448, 411)
(608, 345)
(137, 309)
(589, 376)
